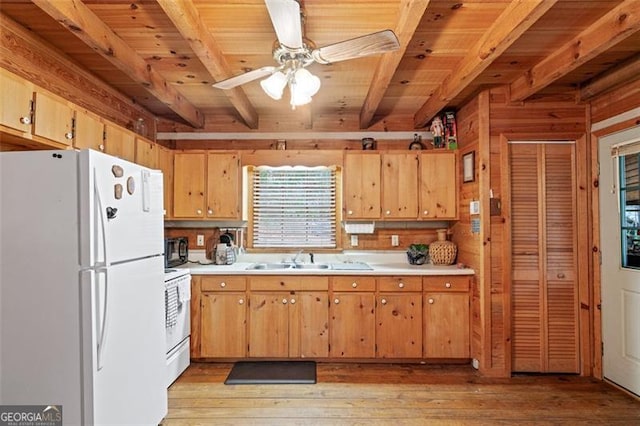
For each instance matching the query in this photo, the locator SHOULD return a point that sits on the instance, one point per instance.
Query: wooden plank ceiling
(166, 54)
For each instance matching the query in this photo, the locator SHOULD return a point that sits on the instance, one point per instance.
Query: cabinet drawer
(223, 283)
(290, 283)
(446, 283)
(400, 284)
(353, 284)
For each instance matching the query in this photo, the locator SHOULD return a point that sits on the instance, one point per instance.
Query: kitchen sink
(269, 266)
(308, 266)
(312, 266)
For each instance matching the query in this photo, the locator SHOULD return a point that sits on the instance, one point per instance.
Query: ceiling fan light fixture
(274, 85)
(306, 82)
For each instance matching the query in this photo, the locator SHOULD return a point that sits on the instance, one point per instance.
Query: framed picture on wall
(468, 167)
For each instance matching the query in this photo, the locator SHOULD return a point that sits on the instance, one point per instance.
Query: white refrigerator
(82, 287)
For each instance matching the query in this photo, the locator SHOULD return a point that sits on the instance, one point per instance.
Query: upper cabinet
(223, 185)
(53, 118)
(146, 153)
(361, 186)
(88, 131)
(438, 185)
(119, 142)
(189, 184)
(400, 185)
(16, 102)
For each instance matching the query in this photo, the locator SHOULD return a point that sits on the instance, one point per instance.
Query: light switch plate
(474, 207)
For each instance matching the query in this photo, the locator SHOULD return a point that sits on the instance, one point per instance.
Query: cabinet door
(400, 186)
(15, 102)
(309, 325)
(53, 119)
(269, 325)
(165, 163)
(438, 188)
(361, 186)
(223, 325)
(119, 142)
(89, 131)
(446, 329)
(223, 186)
(352, 325)
(146, 153)
(188, 184)
(399, 325)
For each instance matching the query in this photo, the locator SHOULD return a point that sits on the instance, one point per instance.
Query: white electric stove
(177, 296)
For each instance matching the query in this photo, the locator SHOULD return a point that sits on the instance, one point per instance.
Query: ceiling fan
(293, 53)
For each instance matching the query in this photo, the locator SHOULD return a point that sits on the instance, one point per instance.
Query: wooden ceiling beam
(619, 75)
(615, 26)
(81, 21)
(517, 18)
(409, 17)
(186, 19)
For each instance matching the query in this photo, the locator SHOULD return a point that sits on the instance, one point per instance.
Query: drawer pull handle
(350, 212)
(241, 302)
(223, 284)
(383, 301)
(401, 285)
(447, 285)
(336, 301)
(354, 285)
(293, 301)
(431, 301)
(284, 301)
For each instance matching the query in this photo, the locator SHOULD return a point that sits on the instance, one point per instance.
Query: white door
(620, 285)
(121, 210)
(125, 369)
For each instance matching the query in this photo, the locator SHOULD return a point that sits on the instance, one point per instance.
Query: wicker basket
(442, 252)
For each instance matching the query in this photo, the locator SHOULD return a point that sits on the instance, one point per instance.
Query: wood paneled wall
(485, 124)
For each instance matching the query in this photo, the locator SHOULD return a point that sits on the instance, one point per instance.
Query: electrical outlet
(395, 241)
(200, 240)
(354, 241)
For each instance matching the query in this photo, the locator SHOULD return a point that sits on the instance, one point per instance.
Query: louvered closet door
(544, 287)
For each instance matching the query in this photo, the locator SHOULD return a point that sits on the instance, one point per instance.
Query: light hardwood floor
(391, 394)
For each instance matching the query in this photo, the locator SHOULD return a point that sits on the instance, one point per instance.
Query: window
(293, 207)
(629, 180)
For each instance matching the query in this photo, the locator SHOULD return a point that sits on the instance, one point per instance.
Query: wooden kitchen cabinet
(352, 317)
(88, 131)
(288, 317)
(400, 185)
(223, 185)
(399, 317)
(438, 185)
(146, 153)
(189, 184)
(446, 317)
(223, 321)
(362, 186)
(119, 142)
(16, 103)
(53, 118)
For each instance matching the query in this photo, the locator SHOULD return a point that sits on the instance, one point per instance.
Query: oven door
(177, 296)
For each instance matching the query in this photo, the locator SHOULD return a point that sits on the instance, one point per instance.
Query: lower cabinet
(223, 310)
(288, 317)
(353, 319)
(446, 317)
(399, 317)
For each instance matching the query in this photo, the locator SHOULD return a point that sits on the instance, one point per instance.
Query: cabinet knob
(447, 285)
(101, 147)
(388, 212)
(354, 284)
(401, 285)
(198, 211)
(431, 301)
(350, 212)
(336, 301)
(383, 301)
(426, 212)
(209, 211)
(223, 284)
(241, 302)
(292, 301)
(68, 135)
(284, 301)
(25, 120)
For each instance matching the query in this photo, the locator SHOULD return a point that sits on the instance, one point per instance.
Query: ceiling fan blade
(285, 16)
(237, 80)
(370, 44)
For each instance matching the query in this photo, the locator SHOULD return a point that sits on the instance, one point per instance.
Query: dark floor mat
(272, 372)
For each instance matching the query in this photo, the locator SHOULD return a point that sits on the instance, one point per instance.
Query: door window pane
(630, 210)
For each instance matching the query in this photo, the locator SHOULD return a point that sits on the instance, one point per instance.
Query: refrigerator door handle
(101, 220)
(103, 321)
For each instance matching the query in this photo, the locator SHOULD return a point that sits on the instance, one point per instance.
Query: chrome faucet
(295, 258)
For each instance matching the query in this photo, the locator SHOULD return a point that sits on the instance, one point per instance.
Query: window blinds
(294, 207)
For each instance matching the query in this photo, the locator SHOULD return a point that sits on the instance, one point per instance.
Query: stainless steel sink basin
(285, 266)
(312, 266)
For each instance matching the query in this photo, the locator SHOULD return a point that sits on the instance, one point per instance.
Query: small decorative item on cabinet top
(368, 144)
(418, 254)
(441, 251)
(416, 143)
